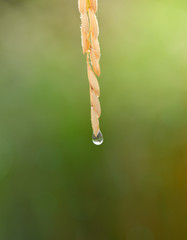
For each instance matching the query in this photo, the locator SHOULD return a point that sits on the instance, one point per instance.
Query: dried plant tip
(95, 63)
(82, 5)
(93, 24)
(93, 5)
(95, 122)
(90, 45)
(93, 80)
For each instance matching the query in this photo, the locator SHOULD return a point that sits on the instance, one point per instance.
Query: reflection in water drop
(97, 140)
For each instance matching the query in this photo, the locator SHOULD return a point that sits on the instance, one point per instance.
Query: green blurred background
(54, 183)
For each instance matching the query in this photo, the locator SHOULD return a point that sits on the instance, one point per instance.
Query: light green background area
(54, 183)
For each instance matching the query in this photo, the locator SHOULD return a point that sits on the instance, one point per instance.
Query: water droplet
(98, 140)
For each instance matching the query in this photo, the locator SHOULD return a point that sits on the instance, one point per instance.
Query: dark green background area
(54, 183)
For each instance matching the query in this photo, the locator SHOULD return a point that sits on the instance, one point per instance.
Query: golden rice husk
(96, 47)
(95, 62)
(95, 122)
(93, 5)
(95, 102)
(93, 24)
(82, 5)
(93, 80)
(85, 41)
(85, 22)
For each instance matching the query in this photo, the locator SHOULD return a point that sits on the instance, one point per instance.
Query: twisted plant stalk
(90, 45)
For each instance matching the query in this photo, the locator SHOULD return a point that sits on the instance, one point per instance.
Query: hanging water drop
(98, 140)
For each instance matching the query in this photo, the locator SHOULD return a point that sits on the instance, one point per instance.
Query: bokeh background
(54, 183)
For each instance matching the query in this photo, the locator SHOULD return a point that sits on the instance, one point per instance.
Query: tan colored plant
(90, 46)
